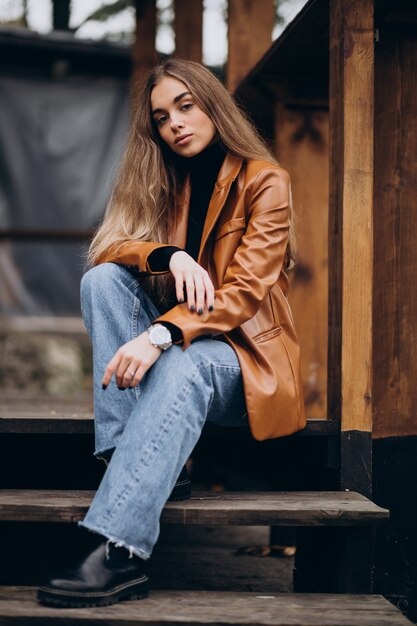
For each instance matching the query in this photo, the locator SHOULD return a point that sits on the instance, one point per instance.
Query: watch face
(160, 336)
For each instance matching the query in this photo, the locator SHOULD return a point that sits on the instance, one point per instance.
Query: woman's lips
(184, 140)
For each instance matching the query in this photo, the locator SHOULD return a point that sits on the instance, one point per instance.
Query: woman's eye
(161, 120)
(186, 106)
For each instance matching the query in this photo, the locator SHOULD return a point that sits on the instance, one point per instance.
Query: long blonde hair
(142, 204)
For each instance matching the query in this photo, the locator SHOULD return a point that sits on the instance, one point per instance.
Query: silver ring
(131, 373)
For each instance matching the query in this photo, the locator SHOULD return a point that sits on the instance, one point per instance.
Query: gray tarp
(60, 145)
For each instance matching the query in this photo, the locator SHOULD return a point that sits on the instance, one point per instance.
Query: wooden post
(250, 34)
(395, 199)
(144, 52)
(351, 233)
(394, 389)
(188, 24)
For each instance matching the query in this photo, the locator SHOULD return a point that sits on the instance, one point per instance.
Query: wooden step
(270, 508)
(163, 608)
(40, 415)
(29, 414)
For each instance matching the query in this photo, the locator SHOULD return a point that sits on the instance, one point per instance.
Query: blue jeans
(155, 426)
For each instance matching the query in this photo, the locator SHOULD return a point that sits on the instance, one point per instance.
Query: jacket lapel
(228, 172)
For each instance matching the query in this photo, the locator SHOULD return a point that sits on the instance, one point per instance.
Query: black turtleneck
(203, 169)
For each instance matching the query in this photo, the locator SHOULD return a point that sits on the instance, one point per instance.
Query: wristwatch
(159, 336)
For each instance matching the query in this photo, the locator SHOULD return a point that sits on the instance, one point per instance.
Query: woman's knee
(100, 276)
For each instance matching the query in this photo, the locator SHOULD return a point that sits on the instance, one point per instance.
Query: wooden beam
(188, 24)
(250, 34)
(351, 209)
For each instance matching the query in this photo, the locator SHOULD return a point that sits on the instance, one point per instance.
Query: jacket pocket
(268, 334)
(238, 223)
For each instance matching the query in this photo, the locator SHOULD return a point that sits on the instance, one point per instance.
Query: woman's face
(181, 123)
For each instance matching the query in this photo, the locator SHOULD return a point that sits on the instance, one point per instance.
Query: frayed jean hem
(98, 454)
(119, 543)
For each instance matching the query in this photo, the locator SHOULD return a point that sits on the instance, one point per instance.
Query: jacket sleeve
(256, 264)
(135, 253)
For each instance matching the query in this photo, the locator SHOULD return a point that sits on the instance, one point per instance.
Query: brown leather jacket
(243, 248)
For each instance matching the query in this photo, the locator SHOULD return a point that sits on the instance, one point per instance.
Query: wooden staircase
(341, 509)
(164, 608)
(347, 520)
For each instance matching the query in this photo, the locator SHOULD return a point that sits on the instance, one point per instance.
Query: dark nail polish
(181, 300)
(104, 387)
(211, 308)
(121, 388)
(192, 307)
(200, 311)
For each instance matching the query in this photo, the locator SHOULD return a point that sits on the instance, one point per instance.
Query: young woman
(186, 306)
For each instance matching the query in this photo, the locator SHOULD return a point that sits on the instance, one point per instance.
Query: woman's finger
(111, 369)
(189, 284)
(200, 293)
(179, 287)
(139, 374)
(121, 372)
(208, 285)
(129, 374)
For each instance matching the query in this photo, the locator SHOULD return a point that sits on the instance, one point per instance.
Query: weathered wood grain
(351, 207)
(163, 608)
(43, 415)
(336, 156)
(395, 201)
(239, 508)
(302, 137)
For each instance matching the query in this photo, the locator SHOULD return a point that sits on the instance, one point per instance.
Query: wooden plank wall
(302, 145)
(395, 202)
(351, 204)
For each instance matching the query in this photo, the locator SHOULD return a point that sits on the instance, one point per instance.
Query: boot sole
(181, 491)
(133, 590)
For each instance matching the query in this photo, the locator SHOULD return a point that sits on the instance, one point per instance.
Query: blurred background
(65, 73)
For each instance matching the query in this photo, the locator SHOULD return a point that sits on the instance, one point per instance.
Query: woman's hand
(131, 362)
(200, 290)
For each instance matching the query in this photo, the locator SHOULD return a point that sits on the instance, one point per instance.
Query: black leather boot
(106, 576)
(182, 488)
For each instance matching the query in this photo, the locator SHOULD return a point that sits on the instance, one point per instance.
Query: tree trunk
(189, 29)
(144, 52)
